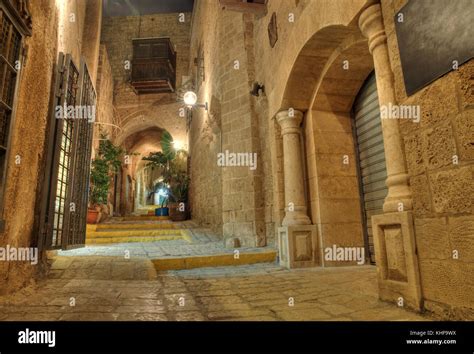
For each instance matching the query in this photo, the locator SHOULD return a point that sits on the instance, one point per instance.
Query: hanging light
(190, 100)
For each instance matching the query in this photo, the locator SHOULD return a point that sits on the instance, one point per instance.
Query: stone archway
(394, 230)
(322, 86)
(332, 177)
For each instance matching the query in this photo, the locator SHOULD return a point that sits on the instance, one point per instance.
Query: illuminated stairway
(196, 252)
(118, 232)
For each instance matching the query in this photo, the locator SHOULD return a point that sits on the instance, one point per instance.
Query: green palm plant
(172, 165)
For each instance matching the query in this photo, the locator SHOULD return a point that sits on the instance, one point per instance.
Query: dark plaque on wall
(434, 37)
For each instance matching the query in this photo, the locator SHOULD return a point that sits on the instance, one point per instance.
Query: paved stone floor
(112, 288)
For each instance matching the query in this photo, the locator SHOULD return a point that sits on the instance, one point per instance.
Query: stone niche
(298, 246)
(397, 262)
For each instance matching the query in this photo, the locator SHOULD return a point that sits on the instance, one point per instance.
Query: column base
(298, 246)
(296, 218)
(397, 263)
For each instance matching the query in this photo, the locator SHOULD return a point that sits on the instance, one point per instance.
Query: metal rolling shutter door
(371, 155)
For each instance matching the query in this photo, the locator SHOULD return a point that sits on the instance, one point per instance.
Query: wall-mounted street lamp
(190, 100)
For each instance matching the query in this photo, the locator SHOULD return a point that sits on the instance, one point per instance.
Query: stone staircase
(134, 229)
(189, 246)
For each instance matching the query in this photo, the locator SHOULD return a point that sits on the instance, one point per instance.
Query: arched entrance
(326, 78)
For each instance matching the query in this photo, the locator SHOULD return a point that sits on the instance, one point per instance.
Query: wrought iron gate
(69, 153)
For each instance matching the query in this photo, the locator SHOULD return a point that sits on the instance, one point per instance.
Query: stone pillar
(297, 238)
(398, 273)
(399, 195)
(295, 209)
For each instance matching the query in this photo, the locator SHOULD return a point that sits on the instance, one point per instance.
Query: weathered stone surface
(421, 195)
(461, 235)
(432, 238)
(440, 146)
(448, 282)
(414, 154)
(464, 124)
(452, 190)
(466, 84)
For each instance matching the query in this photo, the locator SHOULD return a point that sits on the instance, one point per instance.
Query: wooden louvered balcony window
(153, 65)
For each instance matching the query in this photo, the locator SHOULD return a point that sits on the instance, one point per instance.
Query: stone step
(136, 233)
(142, 218)
(130, 239)
(140, 235)
(215, 260)
(113, 226)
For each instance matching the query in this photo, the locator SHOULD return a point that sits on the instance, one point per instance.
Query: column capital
(372, 27)
(289, 121)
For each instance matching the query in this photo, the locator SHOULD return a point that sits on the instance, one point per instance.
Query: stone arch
(153, 116)
(323, 84)
(315, 20)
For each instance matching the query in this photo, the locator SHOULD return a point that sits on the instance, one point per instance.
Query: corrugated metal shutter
(371, 155)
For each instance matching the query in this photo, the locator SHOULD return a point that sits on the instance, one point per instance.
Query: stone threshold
(215, 260)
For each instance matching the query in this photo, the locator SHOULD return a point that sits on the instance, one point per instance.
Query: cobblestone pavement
(111, 288)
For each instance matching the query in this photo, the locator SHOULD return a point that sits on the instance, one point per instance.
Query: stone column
(394, 233)
(295, 209)
(399, 195)
(297, 238)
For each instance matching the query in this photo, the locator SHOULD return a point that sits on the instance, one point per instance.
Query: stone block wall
(105, 96)
(334, 197)
(205, 135)
(439, 153)
(56, 27)
(239, 125)
(27, 141)
(117, 35)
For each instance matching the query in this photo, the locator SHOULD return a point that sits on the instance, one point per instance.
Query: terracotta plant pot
(179, 216)
(92, 216)
(176, 214)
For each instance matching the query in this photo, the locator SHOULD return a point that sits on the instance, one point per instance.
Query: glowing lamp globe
(190, 98)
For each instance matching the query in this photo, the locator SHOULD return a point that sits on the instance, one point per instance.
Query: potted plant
(161, 198)
(174, 181)
(106, 162)
(179, 185)
(99, 188)
(179, 194)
